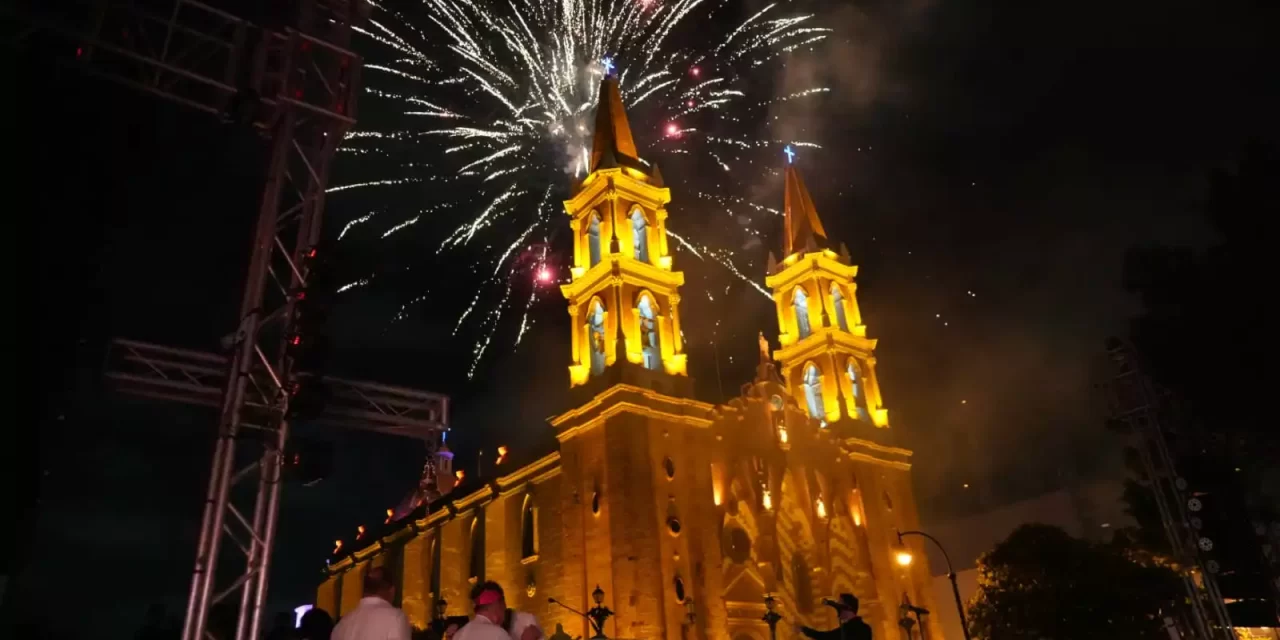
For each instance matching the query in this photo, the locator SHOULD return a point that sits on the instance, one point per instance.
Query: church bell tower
(624, 298)
(826, 358)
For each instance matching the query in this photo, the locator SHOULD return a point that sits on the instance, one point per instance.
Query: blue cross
(791, 155)
(607, 63)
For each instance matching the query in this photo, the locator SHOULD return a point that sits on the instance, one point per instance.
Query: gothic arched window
(649, 339)
(476, 565)
(837, 301)
(595, 331)
(813, 392)
(434, 558)
(593, 239)
(528, 530)
(855, 383)
(800, 300)
(640, 235)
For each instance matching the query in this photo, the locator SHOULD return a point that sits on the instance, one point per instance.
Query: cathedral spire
(825, 357)
(613, 144)
(804, 229)
(625, 296)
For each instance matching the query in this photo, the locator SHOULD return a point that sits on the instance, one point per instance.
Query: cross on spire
(791, 155)
(607, 63)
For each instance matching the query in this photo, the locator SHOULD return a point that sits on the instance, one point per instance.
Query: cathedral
(685, 514)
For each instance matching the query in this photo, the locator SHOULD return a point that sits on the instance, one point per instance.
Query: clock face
(776, 403)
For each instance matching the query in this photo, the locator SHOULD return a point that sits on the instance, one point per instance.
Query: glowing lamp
(820, 508)
(766, 500)
(459, 474)
(502, 454)
(903, 557)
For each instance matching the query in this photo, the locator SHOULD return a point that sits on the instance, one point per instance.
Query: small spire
(772, 266)
(613, 144)
(804, 229)
(656, 178)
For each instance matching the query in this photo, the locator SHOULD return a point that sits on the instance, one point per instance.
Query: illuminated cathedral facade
(686, 514)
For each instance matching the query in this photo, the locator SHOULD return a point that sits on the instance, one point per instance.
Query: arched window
(593, 239)
(529, 530)
(859, 405)
(800, 301)
(649, 339)
(476, 566)
(813, 392)
(640, 235)
(435, 567)
(837, 301)
(595, 330)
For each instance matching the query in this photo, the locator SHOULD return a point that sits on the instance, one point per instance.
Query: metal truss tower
(295, 81)
(1136, 403)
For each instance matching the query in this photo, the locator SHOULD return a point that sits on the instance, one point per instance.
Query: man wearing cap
(851, 626)
(494, 621)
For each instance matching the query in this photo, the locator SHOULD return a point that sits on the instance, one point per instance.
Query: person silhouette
(852, 627)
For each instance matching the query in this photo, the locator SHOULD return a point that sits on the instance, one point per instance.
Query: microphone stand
(597, 625)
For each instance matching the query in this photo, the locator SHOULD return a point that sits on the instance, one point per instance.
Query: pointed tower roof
(804, 229)
(613, 144)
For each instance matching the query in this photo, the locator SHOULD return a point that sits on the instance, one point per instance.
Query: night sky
(987, 163)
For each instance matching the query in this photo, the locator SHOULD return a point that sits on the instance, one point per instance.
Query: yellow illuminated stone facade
(685, 513)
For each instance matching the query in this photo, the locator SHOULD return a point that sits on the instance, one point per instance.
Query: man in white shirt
(375, 618)
(494, 621)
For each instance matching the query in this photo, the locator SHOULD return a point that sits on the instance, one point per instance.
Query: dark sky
(986, 162)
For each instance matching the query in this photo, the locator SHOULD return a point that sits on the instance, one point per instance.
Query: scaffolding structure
(1136, 403)
(295, 82)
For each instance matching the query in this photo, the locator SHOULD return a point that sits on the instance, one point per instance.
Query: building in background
(685, 514)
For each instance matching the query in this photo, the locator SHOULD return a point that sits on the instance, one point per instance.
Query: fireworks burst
(494, 100)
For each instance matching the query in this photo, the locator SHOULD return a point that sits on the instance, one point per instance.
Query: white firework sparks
(495, 99)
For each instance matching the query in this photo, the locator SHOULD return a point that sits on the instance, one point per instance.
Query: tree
(1043, 584)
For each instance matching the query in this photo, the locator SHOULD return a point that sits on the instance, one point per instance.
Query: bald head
(379, 582)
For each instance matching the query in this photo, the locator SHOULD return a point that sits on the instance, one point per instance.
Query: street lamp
(599, 613)
(771, 617)
(442, 606)
(904, 558)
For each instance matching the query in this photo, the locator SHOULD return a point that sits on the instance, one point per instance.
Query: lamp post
(599, 613)
(690, 617)
(771, 617)
(904, 558)
(442, 606)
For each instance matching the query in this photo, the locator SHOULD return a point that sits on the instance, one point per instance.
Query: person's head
(848, 608)
(378, 582)
(489, 601)
(316, 624)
